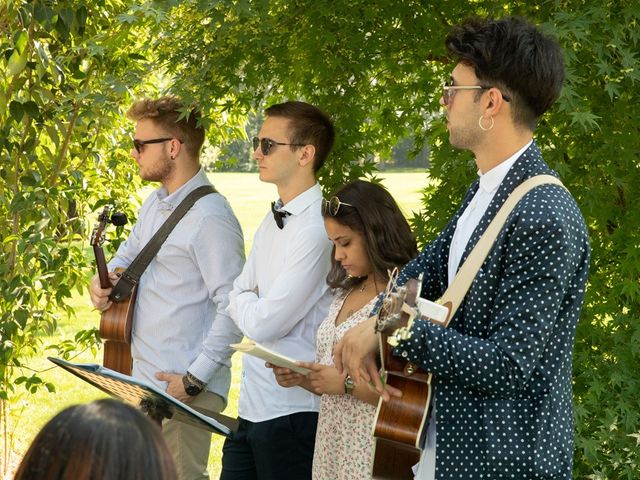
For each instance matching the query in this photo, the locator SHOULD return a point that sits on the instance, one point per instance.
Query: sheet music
(144, 395)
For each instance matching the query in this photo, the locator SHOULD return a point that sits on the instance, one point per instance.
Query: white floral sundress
(344, 440)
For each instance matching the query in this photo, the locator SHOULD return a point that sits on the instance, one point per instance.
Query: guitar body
(116, 322)
(399, 425)
(400, 421)
(115, 330)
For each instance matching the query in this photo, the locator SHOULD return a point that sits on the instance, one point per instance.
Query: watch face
(193, 390)
(348, 385)
(190, 389)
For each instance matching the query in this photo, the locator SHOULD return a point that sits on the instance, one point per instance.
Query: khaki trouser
(190, 445)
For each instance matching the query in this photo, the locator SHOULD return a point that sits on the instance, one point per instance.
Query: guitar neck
(103, 273)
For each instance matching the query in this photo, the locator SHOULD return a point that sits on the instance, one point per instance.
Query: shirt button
(404, 354)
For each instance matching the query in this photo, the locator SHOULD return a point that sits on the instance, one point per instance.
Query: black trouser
(276, 449)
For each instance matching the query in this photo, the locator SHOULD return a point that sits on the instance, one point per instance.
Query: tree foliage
(376, 67)
(67, 69)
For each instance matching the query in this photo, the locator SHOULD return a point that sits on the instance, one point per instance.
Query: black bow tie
(278, 215)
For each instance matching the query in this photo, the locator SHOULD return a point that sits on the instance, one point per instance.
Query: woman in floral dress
(370, 238)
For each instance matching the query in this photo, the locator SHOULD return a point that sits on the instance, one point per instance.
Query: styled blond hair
(165, 113)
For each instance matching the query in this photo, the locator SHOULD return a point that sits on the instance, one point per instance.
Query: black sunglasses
(266, 144)
(332, 206)
(139, 144)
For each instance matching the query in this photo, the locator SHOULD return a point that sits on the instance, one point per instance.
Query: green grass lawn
(250, 200)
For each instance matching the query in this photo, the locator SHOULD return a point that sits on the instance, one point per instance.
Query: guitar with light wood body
(116, 322)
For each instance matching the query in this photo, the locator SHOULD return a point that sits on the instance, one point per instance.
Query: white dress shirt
(279, 300)
(470, 218)
(180, 321)
(467, 223)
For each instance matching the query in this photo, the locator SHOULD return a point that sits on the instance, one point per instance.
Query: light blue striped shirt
(180, 322)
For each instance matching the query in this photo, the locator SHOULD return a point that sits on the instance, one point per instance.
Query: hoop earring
(480, 124)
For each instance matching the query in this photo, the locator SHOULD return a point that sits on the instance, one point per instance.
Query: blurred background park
(70, 69)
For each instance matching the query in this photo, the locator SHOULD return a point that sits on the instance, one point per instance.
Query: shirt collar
(304, 200)
(169, 202)
(491, 180)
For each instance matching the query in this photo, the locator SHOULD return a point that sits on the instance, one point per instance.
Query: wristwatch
(349, 385)
(192, 385)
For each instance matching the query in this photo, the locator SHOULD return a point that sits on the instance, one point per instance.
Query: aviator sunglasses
(266, 145)
(448, 91)
(332, 206)
(139, 144)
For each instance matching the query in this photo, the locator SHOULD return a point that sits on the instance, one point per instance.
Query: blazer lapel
(530, 163)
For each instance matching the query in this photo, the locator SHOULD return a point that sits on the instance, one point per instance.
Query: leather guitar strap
(454, 295)
(131, 276)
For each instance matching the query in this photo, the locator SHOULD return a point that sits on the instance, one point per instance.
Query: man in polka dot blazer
(502, 369)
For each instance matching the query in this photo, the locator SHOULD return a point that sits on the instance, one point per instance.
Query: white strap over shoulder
(454, 295)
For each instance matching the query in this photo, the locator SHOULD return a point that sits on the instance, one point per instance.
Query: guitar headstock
(398, 301)
(97, 235)
(117, 218)
(390, 314)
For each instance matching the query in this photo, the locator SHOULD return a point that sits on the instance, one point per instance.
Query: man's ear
(174, 149)
(307, 155)
(495, 102)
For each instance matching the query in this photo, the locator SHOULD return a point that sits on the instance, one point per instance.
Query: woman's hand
(324, 379)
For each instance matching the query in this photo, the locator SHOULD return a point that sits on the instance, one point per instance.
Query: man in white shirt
(181, 331)
(281, 298)
(502, 369)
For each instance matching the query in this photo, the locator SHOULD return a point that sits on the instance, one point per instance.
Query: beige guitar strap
(454, 295)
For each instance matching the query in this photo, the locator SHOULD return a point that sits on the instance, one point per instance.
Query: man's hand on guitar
(100, 296)
(357, 354)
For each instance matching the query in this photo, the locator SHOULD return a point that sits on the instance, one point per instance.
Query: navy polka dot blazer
(503, 367)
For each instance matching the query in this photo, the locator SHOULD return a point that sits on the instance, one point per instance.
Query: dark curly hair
(515, 56)
(387, 236)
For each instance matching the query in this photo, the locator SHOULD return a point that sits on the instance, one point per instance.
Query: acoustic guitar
(400, 421)
(117, 321)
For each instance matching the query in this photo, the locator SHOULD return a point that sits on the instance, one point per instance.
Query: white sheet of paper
(256, 350)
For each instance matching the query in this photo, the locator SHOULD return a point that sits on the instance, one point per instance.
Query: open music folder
(149, 398)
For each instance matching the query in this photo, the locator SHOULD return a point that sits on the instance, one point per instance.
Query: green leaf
(66, 15)
(17, 62)
(42, 13)
(42, 54)
(586, 120)
(20, 40)
(31, 109)
(16, 110)
(81, 16)
(21, 317)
